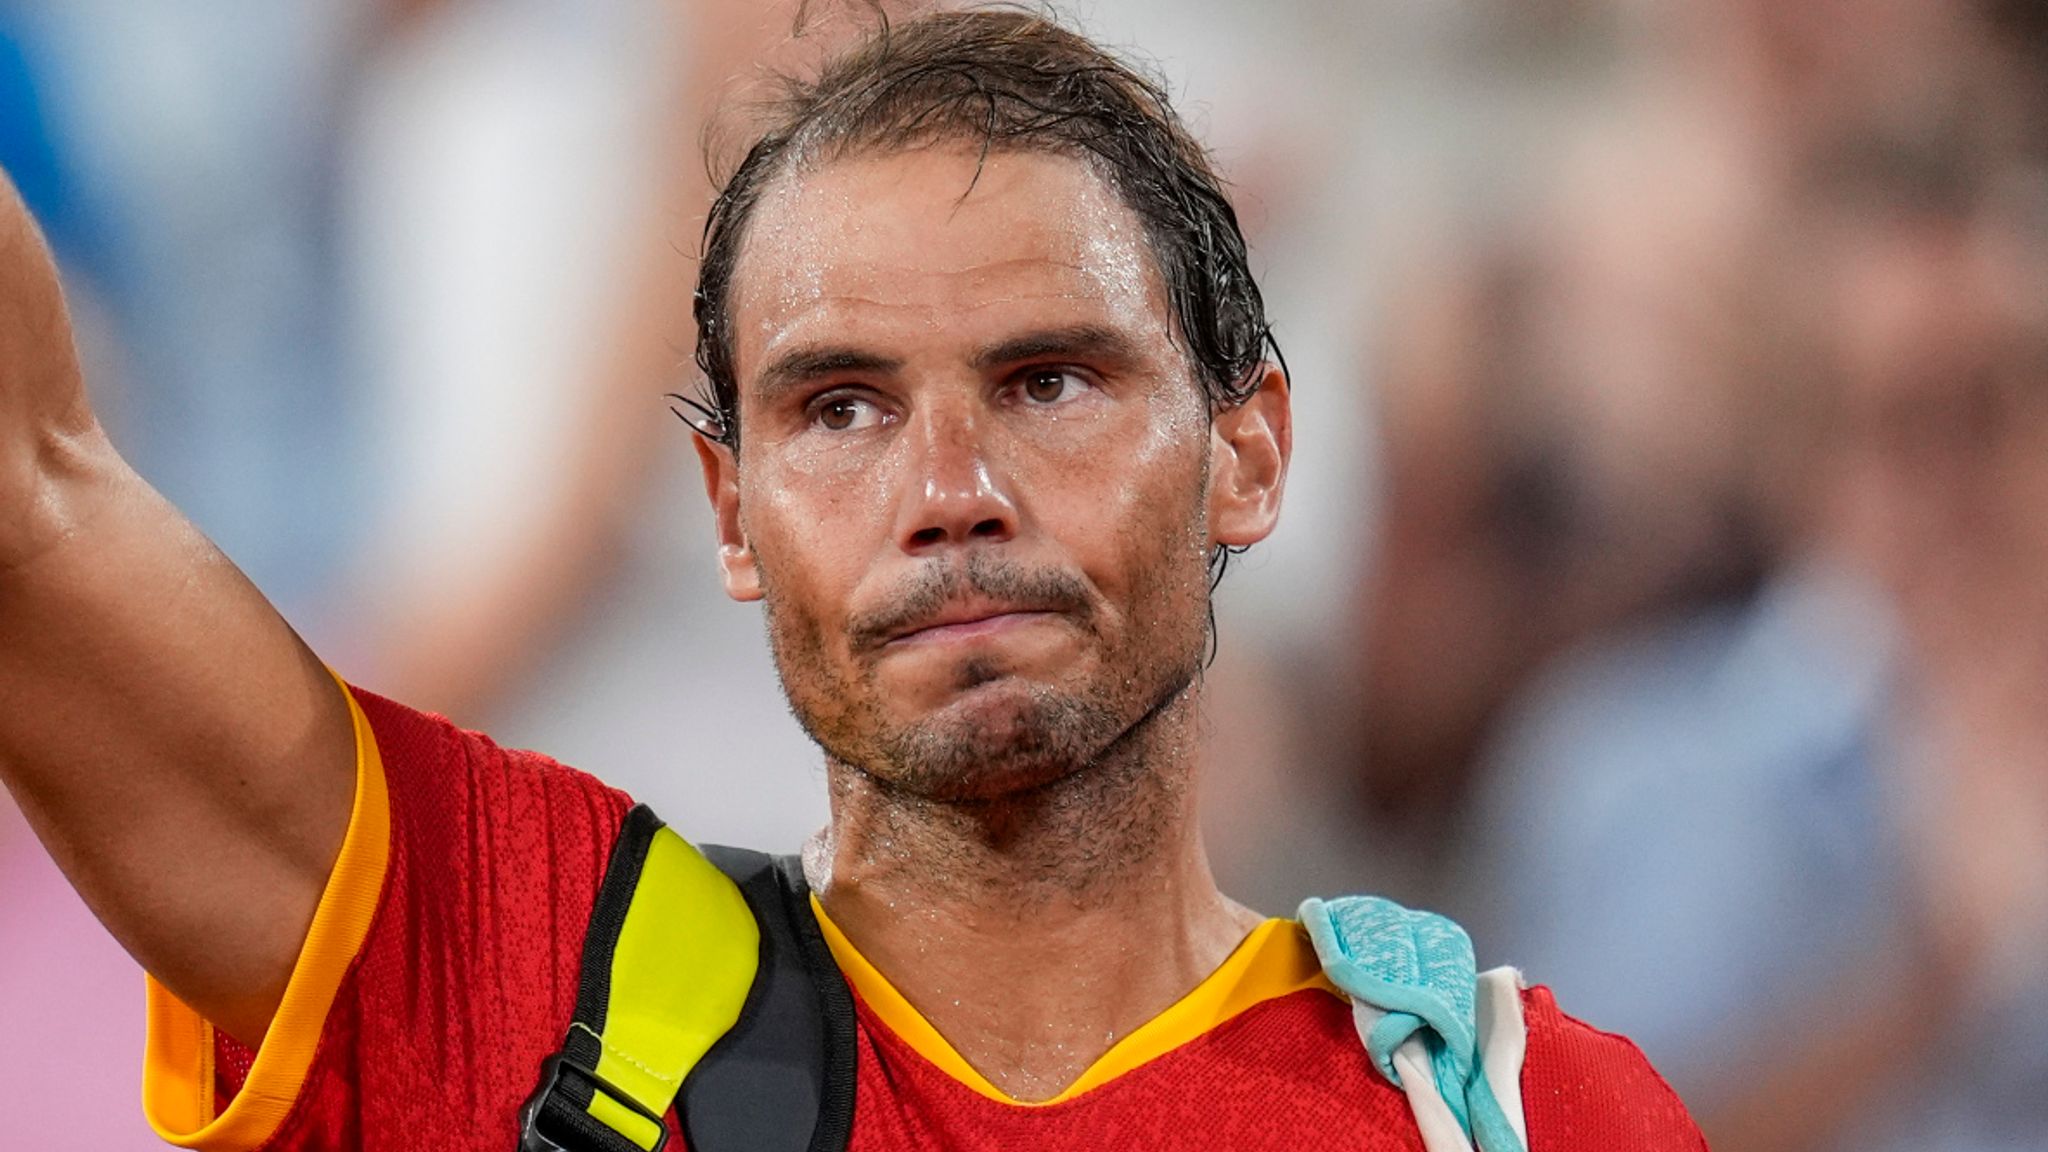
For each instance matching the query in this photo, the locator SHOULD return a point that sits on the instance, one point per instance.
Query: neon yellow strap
(685, 960)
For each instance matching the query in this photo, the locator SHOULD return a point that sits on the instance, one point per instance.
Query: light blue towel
(1418, 968)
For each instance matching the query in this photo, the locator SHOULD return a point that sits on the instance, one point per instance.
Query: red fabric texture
(468, 976)
(468, 979)
(1289, 1074)
(1585, 1090)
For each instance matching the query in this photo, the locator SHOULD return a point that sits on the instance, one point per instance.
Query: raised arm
(183, 756)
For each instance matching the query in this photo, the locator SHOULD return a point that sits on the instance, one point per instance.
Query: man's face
(974, 481)
(1941, 477)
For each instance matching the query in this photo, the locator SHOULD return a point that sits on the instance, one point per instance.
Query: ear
(1249, 447)
(722, 485)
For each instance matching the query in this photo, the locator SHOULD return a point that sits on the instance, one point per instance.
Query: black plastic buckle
(532, 1139)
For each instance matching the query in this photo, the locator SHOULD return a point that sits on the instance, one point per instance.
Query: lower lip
(971, 630)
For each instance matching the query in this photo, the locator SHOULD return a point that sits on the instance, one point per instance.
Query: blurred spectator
(1797, 844)
(1560, 391)
(1563, 436)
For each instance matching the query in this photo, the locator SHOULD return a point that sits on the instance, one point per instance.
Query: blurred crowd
(1664, 585)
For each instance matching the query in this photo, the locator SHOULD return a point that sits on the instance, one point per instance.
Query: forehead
(940, 246)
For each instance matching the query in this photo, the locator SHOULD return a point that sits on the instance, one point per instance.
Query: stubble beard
(1001, 735)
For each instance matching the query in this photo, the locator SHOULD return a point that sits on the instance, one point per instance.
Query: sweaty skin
(978, 486)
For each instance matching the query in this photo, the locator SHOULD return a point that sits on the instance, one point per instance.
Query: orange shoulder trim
(1274, 960)
(177, 1075)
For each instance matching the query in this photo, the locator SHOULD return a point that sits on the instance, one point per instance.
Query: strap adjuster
(587, 1133)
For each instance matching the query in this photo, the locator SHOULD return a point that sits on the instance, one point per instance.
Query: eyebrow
(800, 366)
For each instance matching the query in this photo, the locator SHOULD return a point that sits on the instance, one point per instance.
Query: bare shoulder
(1585, 1089)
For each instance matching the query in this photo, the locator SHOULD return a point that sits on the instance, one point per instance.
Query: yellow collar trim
(1274, 960)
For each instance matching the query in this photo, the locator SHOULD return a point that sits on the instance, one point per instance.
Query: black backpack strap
(782, 1080)
(670, 957)
(758, 1037)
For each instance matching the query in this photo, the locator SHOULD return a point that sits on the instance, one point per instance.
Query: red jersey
(441, 968)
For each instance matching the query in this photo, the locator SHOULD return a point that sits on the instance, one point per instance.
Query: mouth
(967, 622)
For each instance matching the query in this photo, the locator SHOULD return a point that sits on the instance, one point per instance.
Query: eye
(846, 414)
(1050, 385)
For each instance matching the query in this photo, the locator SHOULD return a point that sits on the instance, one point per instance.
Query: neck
(1035, 930)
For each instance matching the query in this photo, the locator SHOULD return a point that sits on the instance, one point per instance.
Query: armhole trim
(178, 1072)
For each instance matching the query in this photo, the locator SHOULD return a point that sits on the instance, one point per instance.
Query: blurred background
(1663, 590)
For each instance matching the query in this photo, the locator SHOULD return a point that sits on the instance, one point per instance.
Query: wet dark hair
(1005, 79)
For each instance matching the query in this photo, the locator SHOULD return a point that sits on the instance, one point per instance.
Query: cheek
(1136, 493)
(811, 523)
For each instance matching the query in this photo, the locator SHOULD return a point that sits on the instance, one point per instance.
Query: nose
(955, 494)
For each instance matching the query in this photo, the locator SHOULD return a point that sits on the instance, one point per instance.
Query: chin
(998, 737)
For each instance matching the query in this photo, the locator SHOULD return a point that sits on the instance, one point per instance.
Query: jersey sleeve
(1584, 1090)
(439, 969)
